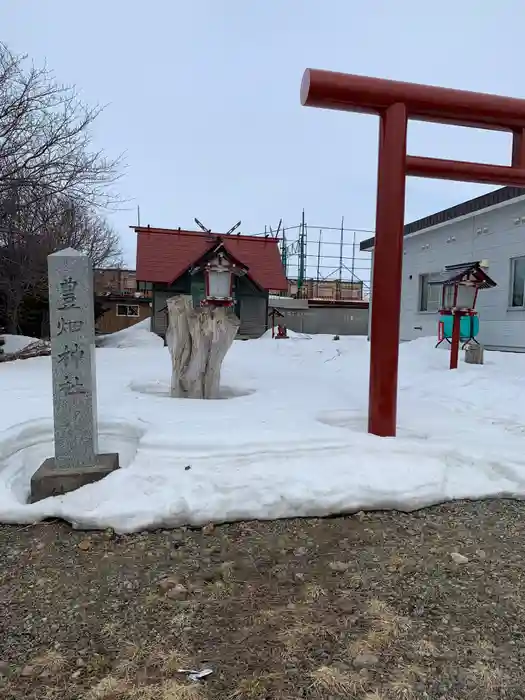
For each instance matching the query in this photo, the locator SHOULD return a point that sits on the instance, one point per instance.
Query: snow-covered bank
(288, 439)
(15, 343)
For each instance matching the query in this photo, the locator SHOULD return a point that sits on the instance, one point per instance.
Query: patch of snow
(15, 343)
(138, 335)
(291, 441)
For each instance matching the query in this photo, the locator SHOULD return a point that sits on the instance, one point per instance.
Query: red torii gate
(395, 103)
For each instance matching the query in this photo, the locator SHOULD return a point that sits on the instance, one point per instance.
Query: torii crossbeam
(395, 103)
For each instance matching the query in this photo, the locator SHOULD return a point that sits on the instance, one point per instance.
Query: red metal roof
(163, 255)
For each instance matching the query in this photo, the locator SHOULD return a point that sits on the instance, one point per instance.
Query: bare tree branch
(45, 136)
(53, 183)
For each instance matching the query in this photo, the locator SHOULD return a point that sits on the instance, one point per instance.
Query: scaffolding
(324, 261)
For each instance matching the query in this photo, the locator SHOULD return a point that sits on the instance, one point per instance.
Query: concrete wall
(371, 295)
(496, 235)
(328, 320)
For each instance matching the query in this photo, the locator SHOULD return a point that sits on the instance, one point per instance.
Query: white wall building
(490, 228)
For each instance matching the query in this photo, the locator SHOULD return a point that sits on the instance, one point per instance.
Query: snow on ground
(14, 343)
(137, 335)
(288, 437)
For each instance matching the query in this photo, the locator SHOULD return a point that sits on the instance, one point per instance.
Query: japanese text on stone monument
(71, 354)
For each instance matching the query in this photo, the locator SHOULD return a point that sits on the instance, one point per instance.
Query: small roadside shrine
(459, 320)
(281, 332)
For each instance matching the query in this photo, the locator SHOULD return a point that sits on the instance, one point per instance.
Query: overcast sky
(203, 98)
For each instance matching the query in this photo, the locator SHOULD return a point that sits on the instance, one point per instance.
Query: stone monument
(72, 324)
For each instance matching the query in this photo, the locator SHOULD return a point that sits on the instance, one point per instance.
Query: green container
(468, 326)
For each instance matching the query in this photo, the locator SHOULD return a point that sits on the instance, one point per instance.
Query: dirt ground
(371, 607)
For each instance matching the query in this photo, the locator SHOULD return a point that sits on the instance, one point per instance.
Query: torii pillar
(395, 103)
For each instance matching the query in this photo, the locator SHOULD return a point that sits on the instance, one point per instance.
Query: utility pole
(340, 285)
(353, 269)
(302, 255)
(284, 253)
(318, 260)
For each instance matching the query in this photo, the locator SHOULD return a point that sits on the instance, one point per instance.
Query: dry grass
(254, 688)
(50, 662)
(111, 688)
(385, 626)
(227, 569)
(313, 592)
(396, 561)
(354, 580)
(386, 620)
(269, 633)
(128, 680)
(361, 645)
(402, 688)
(269, 615)
(328, 680)
(425, 647)
(163, 661)
(168, 690)
(110, 629)
(298, 635)
(107, 689)
(152, 598)
(490, 677)
(99, 665)
(182, 620)
(218, 590)
(482, 649)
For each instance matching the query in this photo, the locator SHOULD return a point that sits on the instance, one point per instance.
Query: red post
(388, 263)
(454, 348)
(462, 171)
(518, 148)
(394, 102)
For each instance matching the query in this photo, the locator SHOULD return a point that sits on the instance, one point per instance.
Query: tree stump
(198, 340)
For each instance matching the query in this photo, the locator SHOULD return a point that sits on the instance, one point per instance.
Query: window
(429, 294)
(128, 310)
(144, 286)
(517, 282)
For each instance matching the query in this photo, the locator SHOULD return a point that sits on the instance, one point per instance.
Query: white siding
(370, 295)
(492, 235)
